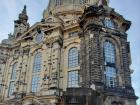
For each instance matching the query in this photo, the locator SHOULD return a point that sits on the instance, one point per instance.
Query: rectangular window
(14, 71)
(73, 78)
(82, 1)
(73, 58)
(11, 89)
(37, 62)
(36, 83)
(13, 76)
(58, 2)
(110, 77)
(73, 34)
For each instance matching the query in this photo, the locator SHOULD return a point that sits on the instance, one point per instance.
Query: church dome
(67, 6)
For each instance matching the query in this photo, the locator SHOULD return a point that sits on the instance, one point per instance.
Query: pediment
(54, 19)
(31, 32)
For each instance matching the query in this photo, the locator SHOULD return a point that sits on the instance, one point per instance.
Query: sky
(130, 9)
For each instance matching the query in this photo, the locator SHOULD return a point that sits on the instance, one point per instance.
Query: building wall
(61, 32)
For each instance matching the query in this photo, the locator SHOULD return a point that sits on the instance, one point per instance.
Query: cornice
(97, 11)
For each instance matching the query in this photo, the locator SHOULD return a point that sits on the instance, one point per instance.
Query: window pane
(35, 83)
(39, 37)
(109, 52)
(73, 34)
(110, 75)
(14, 70)
(11, 89)
(58, 2)
(73, 58)
(82, 1)
(37, 62)
(109, 23)
(73, 79)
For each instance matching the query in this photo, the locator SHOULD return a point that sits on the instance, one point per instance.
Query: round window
(39, 37)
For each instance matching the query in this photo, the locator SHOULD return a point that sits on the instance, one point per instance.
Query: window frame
(11, 88)
(37, 65)
(73, 58)
(106, 49)
(73, 82)
(82, 1)
(36, 72)
(13, 78)
(58, 2)
(109, 23)
(39, 37)
(36, 79)
(110, 76)
(14, 70)
(110, 64)
(73, 34)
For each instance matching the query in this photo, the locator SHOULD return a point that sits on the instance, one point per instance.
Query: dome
(62, 7)
(67, 6)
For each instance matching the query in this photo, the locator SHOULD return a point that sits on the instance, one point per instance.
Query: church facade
(78, 54)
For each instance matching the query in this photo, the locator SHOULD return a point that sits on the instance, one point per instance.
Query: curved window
(73, 58)
(109, 23)
(110, 66)
(37, 62)
(109, 52)
(14, 70)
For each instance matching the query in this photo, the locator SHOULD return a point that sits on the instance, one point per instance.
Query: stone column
(90, 58)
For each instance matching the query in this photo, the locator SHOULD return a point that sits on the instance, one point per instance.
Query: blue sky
(130, 9)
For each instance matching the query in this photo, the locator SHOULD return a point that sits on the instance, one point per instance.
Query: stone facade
(60, 60)
(93, 36)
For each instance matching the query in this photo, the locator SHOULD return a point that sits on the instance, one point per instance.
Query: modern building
(78, 54)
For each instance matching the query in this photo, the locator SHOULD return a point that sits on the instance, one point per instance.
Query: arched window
(58, 2)
(109, 23)
(73, 60)
(36, 79)
(37, 62)
(110, 66)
